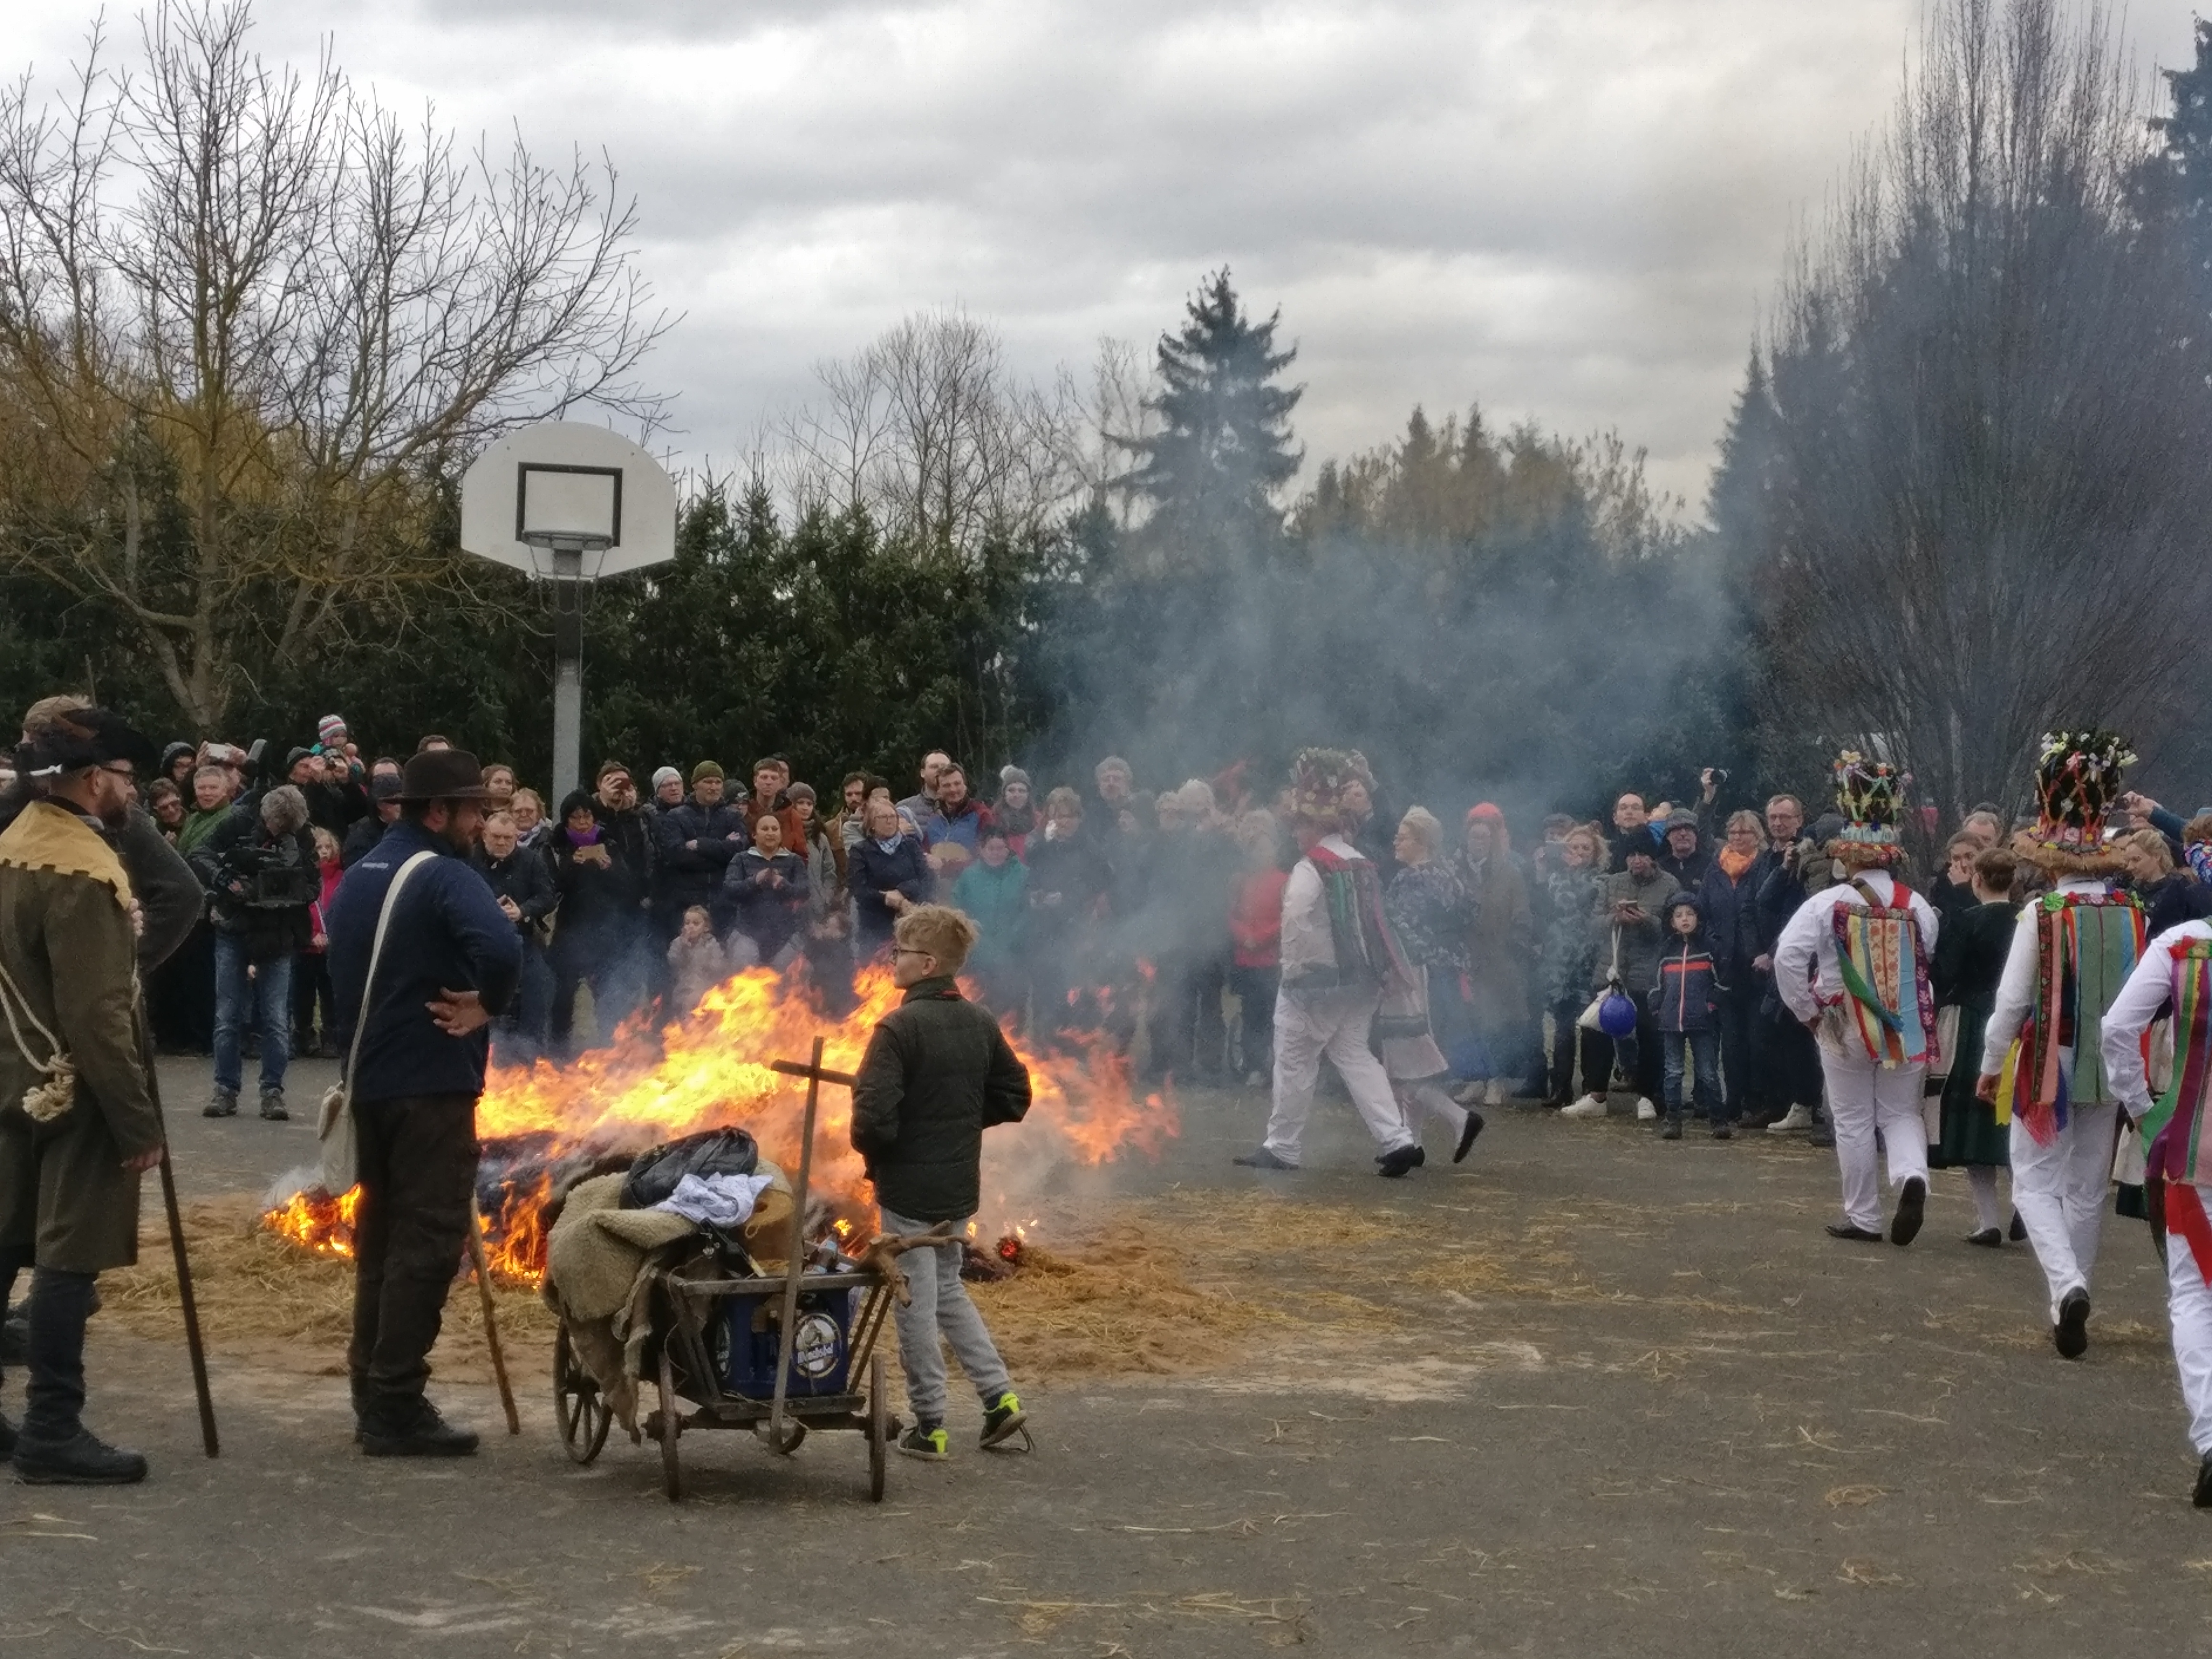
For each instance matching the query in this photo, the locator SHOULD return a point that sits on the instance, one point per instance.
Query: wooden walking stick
(193, 1344)
(490, 1319)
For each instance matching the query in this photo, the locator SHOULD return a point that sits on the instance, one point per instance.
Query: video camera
(269, 879)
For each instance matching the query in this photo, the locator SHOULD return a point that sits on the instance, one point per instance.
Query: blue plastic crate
(746, 1341)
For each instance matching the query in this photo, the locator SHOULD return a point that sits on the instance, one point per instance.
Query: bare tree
(930, 430)
(253, 326)
(1992, 415)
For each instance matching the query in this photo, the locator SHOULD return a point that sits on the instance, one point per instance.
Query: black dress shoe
(1856, 1235)
(1400, 1161)
(2018, 1231)
(1467, 1135)
(2071, 1333)
(1262, 1159)
(1989, 1238)
(85, 1460)
(412, 1428)
(1912, 1210)
(2203, 1498)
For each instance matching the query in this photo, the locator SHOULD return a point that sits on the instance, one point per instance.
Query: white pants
(2189, 1300)
(1308, 1025)
(1427, 1099)
(1861, 1096)
(2059, 1191)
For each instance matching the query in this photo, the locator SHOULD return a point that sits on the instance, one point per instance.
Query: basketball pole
(567, 671)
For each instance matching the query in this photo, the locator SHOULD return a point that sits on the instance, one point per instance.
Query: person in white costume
(1852, 965)
(2176, 972)
(2072, 949)
(1338, 956)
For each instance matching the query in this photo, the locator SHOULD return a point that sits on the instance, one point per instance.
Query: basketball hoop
(568, 504)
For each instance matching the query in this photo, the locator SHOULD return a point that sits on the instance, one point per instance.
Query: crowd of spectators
(1153, 917)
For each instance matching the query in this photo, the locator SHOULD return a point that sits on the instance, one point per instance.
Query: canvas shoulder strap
(376, 953)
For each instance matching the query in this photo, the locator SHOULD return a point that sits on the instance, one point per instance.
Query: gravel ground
(1668, 1417)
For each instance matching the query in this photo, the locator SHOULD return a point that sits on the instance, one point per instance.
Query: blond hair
(939, 929)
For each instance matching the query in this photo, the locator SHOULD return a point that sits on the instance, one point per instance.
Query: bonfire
(543, 1126)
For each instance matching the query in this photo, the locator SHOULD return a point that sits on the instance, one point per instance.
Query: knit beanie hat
(1012, 775)
(331, 731)
(703, 769)
(666, 774)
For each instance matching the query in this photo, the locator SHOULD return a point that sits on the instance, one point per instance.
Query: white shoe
(1796, 1118)
(1588, 1106)
(1645, 1111)
(1495, 1094)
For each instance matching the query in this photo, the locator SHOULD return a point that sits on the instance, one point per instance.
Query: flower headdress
(1870, 795)
(1317, 779)
(2077, 779)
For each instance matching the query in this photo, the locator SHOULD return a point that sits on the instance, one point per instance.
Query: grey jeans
(940, 1305)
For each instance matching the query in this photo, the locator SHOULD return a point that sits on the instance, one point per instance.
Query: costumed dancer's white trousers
(2059, 1191)
(1862, 1096)
(1310, 1025)
(2189, 1301)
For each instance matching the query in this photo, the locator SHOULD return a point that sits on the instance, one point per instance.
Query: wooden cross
(816, 1075)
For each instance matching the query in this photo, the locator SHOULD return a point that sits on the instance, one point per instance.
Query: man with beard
(449, 963)
(78, 1123)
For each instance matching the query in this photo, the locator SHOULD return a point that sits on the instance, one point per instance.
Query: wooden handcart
(691, 1319)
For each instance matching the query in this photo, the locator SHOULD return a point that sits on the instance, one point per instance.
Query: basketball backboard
(568, 499)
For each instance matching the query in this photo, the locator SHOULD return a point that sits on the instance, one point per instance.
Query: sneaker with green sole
(1002, 1419)
(928, 1441)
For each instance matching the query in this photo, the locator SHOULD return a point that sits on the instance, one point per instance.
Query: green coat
(66, 941)
(936, 1073)
(994, 900)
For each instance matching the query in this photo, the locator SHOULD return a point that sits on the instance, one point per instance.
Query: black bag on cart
(653, 1177)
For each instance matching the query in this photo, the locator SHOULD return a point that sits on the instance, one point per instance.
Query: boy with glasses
(936, 1073)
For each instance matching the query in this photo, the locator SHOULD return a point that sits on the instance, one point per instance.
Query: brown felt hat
(442, 774)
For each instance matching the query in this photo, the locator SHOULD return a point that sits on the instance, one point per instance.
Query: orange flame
(710, 1069)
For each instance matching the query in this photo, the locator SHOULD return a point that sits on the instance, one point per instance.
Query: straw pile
(1183, 1283)
(273, 1305)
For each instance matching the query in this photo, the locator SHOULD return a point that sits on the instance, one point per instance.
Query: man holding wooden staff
(448, 963)
(78, 1123)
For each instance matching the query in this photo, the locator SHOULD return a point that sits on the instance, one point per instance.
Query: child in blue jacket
(1684, 1002)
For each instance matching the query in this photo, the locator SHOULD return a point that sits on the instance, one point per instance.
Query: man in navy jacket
(450, 961)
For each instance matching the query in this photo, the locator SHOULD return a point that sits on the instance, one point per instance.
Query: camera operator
(258, 867)
(522, 881)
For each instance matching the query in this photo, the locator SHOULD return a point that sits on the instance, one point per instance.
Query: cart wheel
(671, 1428)
(879, 1429)
(579, 1407)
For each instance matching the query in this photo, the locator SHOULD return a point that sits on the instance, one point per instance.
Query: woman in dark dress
(1969, 959)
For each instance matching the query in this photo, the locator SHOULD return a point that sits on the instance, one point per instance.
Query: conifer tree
(1222, 447)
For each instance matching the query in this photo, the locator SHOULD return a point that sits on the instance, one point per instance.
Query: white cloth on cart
(716, 1201)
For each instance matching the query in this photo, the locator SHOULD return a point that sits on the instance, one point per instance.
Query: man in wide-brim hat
(78, 1123)
(449, 962)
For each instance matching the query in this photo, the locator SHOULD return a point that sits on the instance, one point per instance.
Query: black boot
(53, 1448)
(1672, 1129)
(407, 1425)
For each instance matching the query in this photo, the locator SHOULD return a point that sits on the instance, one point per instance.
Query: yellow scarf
(53, 838)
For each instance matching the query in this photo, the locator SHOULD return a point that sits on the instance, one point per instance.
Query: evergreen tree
(1223, 447)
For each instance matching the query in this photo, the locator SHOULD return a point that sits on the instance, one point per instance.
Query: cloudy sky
(1571, 210)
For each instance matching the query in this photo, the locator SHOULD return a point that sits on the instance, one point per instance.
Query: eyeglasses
(907, 950)
(126, 771)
